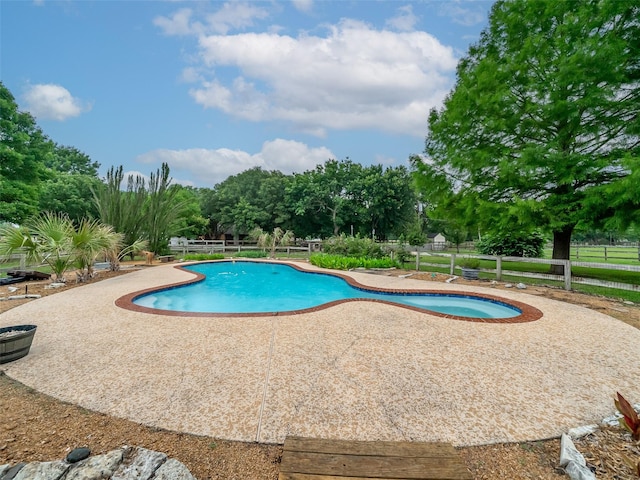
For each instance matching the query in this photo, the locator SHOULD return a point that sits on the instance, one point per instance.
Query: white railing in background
(220, 246)
(567, 277)
(4, 259)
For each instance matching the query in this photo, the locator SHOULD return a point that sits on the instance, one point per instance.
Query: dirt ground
(36, 427)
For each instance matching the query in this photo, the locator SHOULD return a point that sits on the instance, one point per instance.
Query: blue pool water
(256, 287)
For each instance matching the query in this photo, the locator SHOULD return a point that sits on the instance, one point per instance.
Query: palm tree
(45, 238)
(52, 239)
(272, 240)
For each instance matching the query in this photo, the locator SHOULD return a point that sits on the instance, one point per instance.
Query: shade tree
(542, 126)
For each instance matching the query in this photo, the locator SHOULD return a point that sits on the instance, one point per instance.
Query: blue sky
(214, 88)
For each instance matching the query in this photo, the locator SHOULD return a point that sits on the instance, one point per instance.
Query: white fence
(13, 259)
(220, 246)
(566, 278)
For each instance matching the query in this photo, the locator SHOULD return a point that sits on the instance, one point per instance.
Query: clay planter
(15, 345)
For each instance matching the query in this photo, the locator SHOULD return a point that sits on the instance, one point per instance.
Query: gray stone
(97, 467)
(139, 464)
(4, 468)
(572, 460)
(13, 471)
(579, 472)
(508, 285)
(172, 469)
(628, 302)
(580, 432)
(521, 286)
(42, 471)
(78, 454)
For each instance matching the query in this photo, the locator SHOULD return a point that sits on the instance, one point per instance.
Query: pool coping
(528, 312)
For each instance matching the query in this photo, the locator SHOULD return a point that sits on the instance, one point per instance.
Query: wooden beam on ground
(319, 459)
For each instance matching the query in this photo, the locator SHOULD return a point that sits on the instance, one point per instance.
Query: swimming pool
(245, 287)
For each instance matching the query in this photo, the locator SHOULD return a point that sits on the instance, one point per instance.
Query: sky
(214, 88)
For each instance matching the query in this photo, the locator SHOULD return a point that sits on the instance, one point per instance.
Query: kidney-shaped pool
(263, 288)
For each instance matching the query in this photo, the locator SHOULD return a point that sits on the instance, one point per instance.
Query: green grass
(622, 276)
(615, 255)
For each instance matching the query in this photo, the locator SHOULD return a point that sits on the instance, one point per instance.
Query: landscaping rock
(508, 285)
(140, 464)
(126, 463)
(521, 286)
(572, 460)
(96, 468)
(580, 432)
(172, 469)
(78, 454)
(11, 473)
(42, 470)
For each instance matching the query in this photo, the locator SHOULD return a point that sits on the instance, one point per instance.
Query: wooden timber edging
(320, 459)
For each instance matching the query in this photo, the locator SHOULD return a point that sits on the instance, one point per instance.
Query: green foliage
(23, 151)
(469, 262)
(150, 213)
(343, 195)
(253, 198)
(204, 256)
(339, 262)
(251, 254)
(53, 239)
(352, 247)
(512, 244)
(278, 238)
(541, 129)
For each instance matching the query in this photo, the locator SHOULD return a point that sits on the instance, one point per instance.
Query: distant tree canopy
(337, 196)
(542, 126)
(23, 151)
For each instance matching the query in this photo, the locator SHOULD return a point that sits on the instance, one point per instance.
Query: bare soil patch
(36, 427)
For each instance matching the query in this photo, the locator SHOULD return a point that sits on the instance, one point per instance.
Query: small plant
(203, 256)
(251, 254)
(340, 262)
(470, 263)
(629, 420)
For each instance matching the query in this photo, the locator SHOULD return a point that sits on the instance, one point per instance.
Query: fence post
(417, 260)
(605, 254)
(23, 262)
(577, 253)
(498, 268)
(452, 267)
(567, 274)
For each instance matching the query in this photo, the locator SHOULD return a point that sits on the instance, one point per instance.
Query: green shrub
(469, 262)
(251, 254)
(341, 262)
(203, 256)
(512, 245)
(352, 247)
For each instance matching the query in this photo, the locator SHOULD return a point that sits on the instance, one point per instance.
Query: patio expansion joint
(266, 378)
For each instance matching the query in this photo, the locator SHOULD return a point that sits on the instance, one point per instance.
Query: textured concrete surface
(359, 370)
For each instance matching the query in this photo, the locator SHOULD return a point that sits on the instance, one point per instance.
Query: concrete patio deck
(355, 371)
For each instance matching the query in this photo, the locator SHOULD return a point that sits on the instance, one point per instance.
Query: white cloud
(404, 21)
(214, 166)
(303, 5)
(463, 15)
(179, 23)
(354, 77)
(53, 102)
(231, 16)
